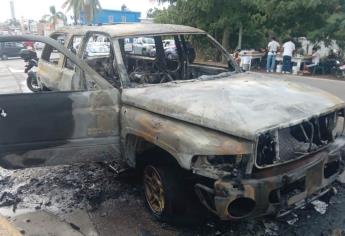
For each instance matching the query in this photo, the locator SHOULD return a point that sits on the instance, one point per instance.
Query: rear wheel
(163, 192)
(4, 57)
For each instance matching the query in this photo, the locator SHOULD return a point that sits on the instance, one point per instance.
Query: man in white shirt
(314, 61)
(315, 58)
(289, 48)
(272, 47)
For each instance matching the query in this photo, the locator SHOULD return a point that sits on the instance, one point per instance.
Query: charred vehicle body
(252, 144)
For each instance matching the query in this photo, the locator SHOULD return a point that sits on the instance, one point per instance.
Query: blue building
(107, 16)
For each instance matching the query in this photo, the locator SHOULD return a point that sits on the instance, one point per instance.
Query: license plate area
(296, 190)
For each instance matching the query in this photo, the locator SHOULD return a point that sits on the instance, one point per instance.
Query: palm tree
(91, 7)
(54, 16)
(76, 5)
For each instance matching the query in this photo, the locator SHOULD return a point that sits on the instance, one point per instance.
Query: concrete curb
(7, 229)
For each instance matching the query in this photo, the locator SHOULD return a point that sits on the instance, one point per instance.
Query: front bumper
(275, 190)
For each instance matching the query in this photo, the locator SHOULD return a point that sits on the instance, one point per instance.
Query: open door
(59, 127)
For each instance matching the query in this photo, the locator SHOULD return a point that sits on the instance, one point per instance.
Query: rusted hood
(242, 105)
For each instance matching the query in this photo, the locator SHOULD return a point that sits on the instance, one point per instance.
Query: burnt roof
(137, 29)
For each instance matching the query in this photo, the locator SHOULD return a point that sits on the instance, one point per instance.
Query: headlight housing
(216, 166)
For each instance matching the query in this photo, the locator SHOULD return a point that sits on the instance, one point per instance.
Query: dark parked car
(10, 49)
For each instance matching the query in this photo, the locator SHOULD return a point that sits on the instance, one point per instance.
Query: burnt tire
(170, 193)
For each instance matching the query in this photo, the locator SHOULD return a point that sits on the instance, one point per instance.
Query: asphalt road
(51, 205)
(334, 86)
(12, 77)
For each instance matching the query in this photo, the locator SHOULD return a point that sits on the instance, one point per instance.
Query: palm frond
(52, 10)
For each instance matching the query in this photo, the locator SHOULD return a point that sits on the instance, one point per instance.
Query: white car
(143, 45)
(97, 49)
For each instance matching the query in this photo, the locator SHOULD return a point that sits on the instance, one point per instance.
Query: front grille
(287, 144)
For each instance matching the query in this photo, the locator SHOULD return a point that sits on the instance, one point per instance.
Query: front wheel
(32, 84)
(164, 192)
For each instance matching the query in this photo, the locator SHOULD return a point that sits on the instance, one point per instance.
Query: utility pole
(12, 10)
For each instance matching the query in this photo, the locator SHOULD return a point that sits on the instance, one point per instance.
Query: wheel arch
(138, 149)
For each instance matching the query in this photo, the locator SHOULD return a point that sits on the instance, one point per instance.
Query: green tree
(296, 17)
(91, 7)
(75, 5)
(249, 23)
(221, 18)
(54, 16)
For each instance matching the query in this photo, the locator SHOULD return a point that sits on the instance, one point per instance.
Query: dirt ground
(115, 205)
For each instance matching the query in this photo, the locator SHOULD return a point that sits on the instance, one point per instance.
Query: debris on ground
(320, 206)
(341, 178)
(65, 190)
(60, 188)
(271, 228)
(337, 232)
(292, 218)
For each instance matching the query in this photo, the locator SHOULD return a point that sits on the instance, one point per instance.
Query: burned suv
(246, 144)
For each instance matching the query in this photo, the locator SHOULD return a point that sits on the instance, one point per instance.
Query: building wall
(106, 16)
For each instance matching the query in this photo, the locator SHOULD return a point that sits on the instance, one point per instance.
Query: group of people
(288, 49)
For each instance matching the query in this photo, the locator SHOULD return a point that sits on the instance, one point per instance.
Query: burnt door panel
(49, 74)
(58, 128)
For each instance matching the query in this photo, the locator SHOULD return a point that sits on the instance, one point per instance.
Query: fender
(181, 139)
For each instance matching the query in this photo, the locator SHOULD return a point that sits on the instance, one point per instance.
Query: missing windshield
(161, 59)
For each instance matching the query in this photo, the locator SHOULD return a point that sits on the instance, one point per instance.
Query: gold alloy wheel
(154, 191)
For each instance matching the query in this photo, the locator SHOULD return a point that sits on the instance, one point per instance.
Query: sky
(35, 9)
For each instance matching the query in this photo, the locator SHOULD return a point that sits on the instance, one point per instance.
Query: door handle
(3, 113)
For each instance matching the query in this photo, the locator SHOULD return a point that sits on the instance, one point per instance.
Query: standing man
(289, 48)
(272, 47)
(310, 68)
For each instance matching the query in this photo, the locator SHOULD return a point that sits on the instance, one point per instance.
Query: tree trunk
(226, 37)
(54, 23)
(225, 42)
(240, 33)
